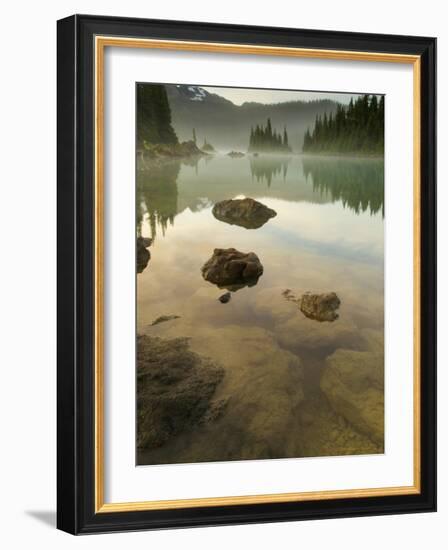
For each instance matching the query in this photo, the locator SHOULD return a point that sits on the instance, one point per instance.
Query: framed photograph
(246, 274)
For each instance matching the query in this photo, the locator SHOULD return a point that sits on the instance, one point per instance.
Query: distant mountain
(228, 126)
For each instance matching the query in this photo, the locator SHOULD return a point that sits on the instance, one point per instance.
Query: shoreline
(173, 154)
(342, 155)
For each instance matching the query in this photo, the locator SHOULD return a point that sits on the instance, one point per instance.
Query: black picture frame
(76, 272)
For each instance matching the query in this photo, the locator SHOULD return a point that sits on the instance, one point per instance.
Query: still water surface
(327, 236)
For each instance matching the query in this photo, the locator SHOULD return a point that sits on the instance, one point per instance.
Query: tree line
(266, 139)
(358, 127)
(154, 116)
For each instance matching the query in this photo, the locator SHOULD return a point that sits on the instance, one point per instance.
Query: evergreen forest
(154, 116)
(265, 139)
(355, 128)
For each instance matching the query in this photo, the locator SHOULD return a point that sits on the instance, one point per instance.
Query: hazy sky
(241, 95)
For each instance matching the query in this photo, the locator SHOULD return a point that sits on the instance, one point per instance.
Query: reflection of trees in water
(193, 162)
(157, 195)
(358, 184)
(266, 168)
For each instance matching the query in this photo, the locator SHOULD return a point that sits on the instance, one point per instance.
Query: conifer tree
(357, 127)
(268, 139)
(154, 116)
(285, 137)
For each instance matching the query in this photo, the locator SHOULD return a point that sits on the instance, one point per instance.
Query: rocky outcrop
(143, 255)
(320, 307)
(247, 212)
(172, 151)
(175, 387)
(353, 382)
(228, 268)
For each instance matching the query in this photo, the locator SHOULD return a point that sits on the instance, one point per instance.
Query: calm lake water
(327, 236)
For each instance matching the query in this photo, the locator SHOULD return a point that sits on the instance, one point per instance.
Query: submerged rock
(225, 298)
(263, 388)
(175, 387)
(296, 332)
(289, 295)
(353, 382)
(228, 268)
(164, 319)
(320, 307)
(247, 212)
(143, 255)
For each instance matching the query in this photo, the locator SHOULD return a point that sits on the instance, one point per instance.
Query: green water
(327, 236)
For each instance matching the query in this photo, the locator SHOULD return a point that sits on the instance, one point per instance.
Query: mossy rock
(175, 387)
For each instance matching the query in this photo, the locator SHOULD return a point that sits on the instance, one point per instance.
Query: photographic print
(226, 280)
(260, 273)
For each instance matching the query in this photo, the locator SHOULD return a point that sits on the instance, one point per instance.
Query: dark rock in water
(320, 307)
(164, 318)
(146, 241)
(225, 298)
(228, 268)
(175, 387)
(235, 154)
(247, 212)
(143, 255)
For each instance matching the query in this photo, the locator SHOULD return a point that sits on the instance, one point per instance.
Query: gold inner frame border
(101, 42)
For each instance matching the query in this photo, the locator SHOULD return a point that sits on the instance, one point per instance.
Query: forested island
(207, 147)
(265, 139)
(356, 128)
